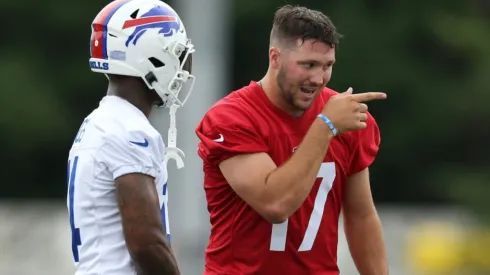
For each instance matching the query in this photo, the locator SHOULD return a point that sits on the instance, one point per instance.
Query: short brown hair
(295, 22)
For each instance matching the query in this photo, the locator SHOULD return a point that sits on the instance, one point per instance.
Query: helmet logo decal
(156, 18)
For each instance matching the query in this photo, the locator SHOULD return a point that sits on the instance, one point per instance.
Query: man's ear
(274, 56)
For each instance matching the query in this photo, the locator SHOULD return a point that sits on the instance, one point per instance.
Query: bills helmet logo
(158, 17)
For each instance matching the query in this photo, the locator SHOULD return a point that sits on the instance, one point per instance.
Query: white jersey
(114, 140)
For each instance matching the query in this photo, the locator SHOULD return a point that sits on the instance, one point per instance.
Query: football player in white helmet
(117, 176)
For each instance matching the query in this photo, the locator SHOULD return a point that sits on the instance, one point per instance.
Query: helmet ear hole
(156, 62)
(134, 14)
(150, 77)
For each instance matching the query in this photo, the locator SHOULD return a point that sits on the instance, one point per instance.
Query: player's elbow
(139, 251)
(272, 208)
(145, 245)
(274, 213)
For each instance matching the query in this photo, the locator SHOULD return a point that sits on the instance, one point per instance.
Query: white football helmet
(147, 39)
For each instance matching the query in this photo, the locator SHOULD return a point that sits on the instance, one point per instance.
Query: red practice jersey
(242, 241)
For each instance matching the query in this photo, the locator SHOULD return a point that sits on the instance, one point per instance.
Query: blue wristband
(329, 124)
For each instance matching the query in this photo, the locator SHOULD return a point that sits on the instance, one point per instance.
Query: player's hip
(277, 269)
(106, 272)
(108, 263)
(271, 265)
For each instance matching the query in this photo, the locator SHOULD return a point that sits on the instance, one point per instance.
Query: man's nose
(317, 78)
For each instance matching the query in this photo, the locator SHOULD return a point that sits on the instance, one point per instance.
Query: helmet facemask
(175, 66)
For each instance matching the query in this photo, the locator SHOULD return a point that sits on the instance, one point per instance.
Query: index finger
(368, 96)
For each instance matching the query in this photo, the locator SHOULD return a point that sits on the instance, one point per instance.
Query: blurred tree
(465, 171)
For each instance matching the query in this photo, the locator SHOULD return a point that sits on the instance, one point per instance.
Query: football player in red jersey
(284, 155)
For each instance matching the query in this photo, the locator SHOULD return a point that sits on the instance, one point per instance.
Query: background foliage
(431, 57)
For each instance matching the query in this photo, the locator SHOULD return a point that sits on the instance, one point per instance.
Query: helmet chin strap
(172, 152)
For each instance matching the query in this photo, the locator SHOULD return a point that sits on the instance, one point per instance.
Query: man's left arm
(363, 227)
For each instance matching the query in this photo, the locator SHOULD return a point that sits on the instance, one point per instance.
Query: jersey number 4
(75, 232)
(72, 172)
(279, 231)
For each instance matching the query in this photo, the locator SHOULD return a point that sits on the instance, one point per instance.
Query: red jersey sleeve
(364, 146)
(226, 131)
